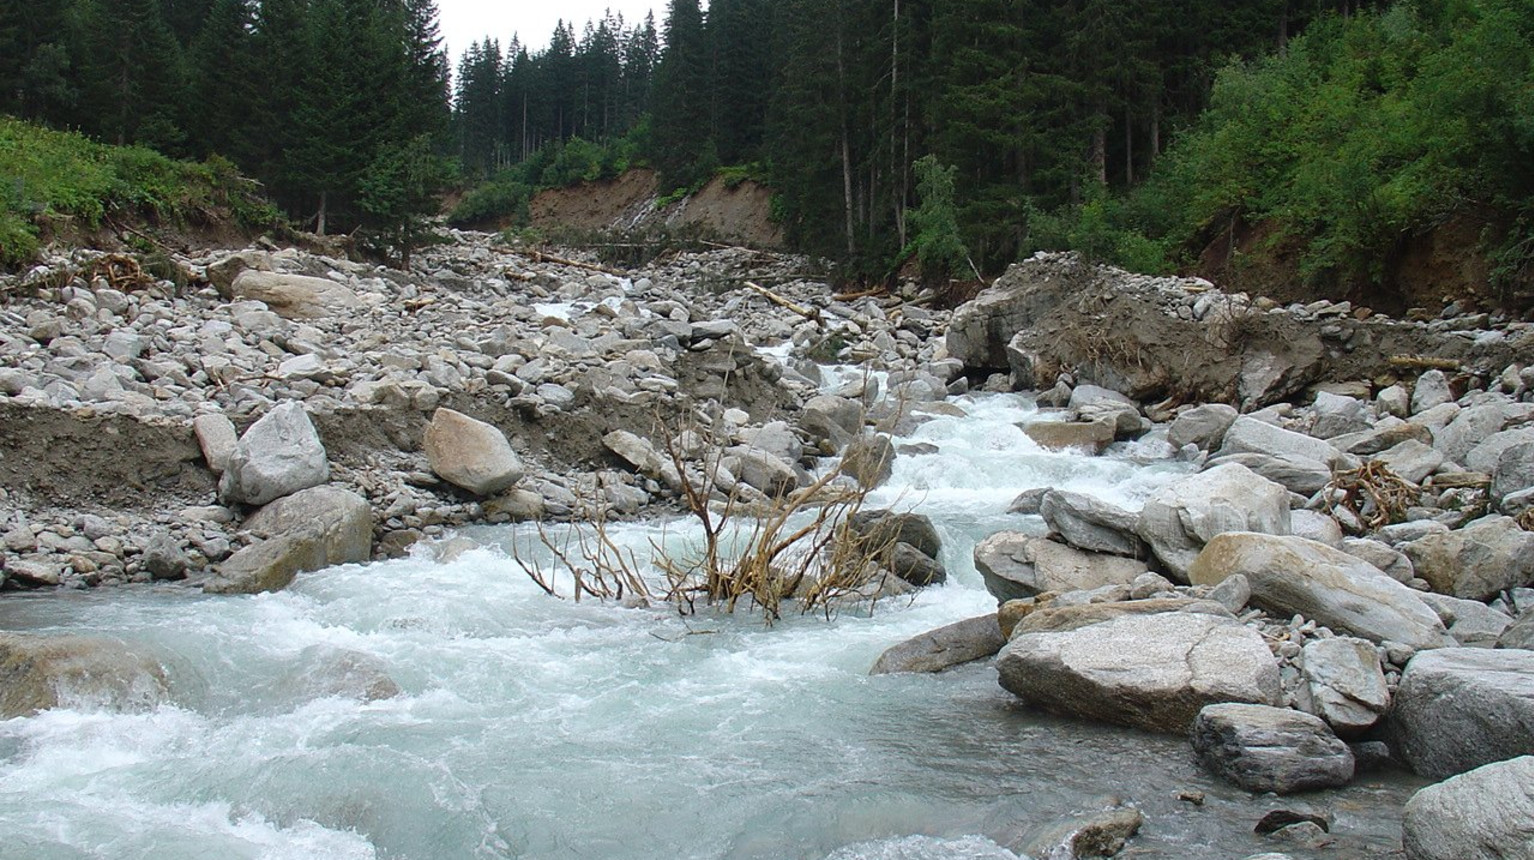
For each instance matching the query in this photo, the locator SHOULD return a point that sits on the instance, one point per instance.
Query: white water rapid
(535, 727)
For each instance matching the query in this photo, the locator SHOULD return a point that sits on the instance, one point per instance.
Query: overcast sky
(468, 21)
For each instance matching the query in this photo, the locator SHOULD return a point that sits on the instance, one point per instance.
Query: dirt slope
(740, 214)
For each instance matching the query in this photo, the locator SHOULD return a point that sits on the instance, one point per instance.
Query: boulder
(1149, 671)
(1514, 471)
(1294, 576)
(760, 470)
(1475, 425)
(1432, 389)
(309, 530)
(951, 645)
(1344, 684)
(1015, 565)
(279, 455)
(831, 419)
(1089, 436)
(1050, 614)
(1296, 474)
(640, 453)
(1476, 562)
(323, 671)
(1316, 526)
(1387, 558)
(915, 566)
(41, 672)
(1411, 460)
(1248, 435)
(295, 296)
(1336, 415)
(1519, 634)
(163, 557)
(869, 460)
(1483, 814)
(1263, 748)
(217, 438)
(1488, 452)
(882, 527)
(1471, 622)
(1203, 426)
(1181, 517)
(1091, 524)
(470, 453)
(1094, 834)
(1457, 709)
(1387, 434)
(221, 274)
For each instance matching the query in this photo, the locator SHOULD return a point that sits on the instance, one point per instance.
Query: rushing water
(535, 727)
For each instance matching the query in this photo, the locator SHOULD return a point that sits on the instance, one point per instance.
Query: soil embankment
(734, 212)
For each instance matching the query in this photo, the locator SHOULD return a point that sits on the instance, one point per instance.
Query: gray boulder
(279, 455)
(1475, 425)
(1519, 634)
(1471, 622)
(217, 438)
(1291, 575)
(1432, 389)
(1203, 426)
(640, 453)
(870, 460)
(1483, 814)
(1248, 435)
(1382, 555)
(309, 530)
(1457, 709)
(295, 296)
(1180, 518)
(960, 642)
(1262, 748)
(1513, 472)
(1296, 474)
(42, 672)
(163, 557)
(1412, 460)
(915, 566)
(470, 453)
(1476, 562)
(1150, 671)
(760, 470)
(1344, 684)
(1016, 565)
(1488, 452)
(1336, 415)
(1091, 524)
(831, 419)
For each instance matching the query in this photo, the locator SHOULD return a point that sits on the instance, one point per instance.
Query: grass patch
(59, 182)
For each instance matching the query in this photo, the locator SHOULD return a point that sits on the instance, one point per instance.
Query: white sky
(464, 22)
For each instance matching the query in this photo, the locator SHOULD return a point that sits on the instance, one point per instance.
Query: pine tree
(223, 83)
(682, 150)
(132, 79)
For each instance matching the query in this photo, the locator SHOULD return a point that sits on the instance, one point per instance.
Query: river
(535, 727)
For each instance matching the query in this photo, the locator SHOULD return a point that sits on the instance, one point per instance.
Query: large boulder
(42, 672)
(1263, 748)
(279, 455)
(870, 460)
(1150, 671)
(642, 454)
(1476, 562)
(884, 526)
(832, 420)
(960, 642)
(1483, 814)
(1299, 462)
(1202, 426)
(1344, 684)
(1091, 524)
(470, 453)
(1291, 575)
(1089, 436)
(309, 530)
(1181, 517)
(295, 296)
(1016, 565)
(1457, 709)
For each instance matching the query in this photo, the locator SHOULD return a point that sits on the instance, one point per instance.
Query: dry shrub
(1373, 493)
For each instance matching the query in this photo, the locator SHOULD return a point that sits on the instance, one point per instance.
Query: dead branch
(1373, 493)
(812, 314)
(1425, 362)
(542, 257)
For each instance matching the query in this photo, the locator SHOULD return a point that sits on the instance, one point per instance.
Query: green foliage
(936, 241)
(400, 194)
(1364, 131)
(1101, 229)
(504, 197)
(57, 178)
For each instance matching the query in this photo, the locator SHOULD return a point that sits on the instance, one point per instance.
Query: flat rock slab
(1152, 672)
(1291, 575)
(1484, 814)
(1263, 748)
(1460, 708)
(952, 645)
(1016, 565)
(295, 296)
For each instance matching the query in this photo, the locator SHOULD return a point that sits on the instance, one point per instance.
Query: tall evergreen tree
(223, 83)
(682, 149)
